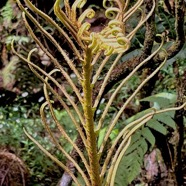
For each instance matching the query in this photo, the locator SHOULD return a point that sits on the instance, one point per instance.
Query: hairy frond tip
(110, 40)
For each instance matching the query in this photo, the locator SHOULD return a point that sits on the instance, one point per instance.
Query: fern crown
(112, 39)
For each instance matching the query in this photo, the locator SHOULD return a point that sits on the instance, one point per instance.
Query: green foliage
(12, 120)
(161, 100)
(131, 163)
(10, 68)
(102, 132)
(161, 121)
(144, 140)
(155, 125)
(165, 22)
(6, 13)
(64, 119)
(20, 39)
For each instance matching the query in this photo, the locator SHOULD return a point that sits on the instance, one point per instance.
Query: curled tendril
(84, 27)
(112, 38)
(112, 12)
(108, 50)
(96, 49)
(108, 3)
(77, 4)
(122, 40)
(95, 44)
(93, 39)
(114, 23)
(109, 45)
(89, 13)
(116, 31)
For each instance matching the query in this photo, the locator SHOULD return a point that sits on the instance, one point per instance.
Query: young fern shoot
(89, 48)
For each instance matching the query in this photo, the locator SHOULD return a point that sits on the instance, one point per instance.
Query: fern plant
(93, 51)
(6, 13)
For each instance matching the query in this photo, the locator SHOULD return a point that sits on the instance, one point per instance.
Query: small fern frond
(155, 125)
(56, 63)
(130, 165)
(164, 119)
(7, 12)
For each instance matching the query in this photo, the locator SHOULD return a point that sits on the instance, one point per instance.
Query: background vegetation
(21, 95)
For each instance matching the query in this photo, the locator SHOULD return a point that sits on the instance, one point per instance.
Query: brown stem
(169, 6)
(148, 44)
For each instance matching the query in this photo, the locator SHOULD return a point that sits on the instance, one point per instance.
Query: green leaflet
(131, 163)
(102, 132)
(157, 126)
(101, 136)
(166, 119)
(161, 100)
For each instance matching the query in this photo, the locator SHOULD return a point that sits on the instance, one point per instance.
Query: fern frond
(113, 123)
(56, 63)
(7, 12)
(49, 36)
(32, 66)
(94, 51)
(123, 83)
(53, 158)
(53, 23)
(130, 165)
